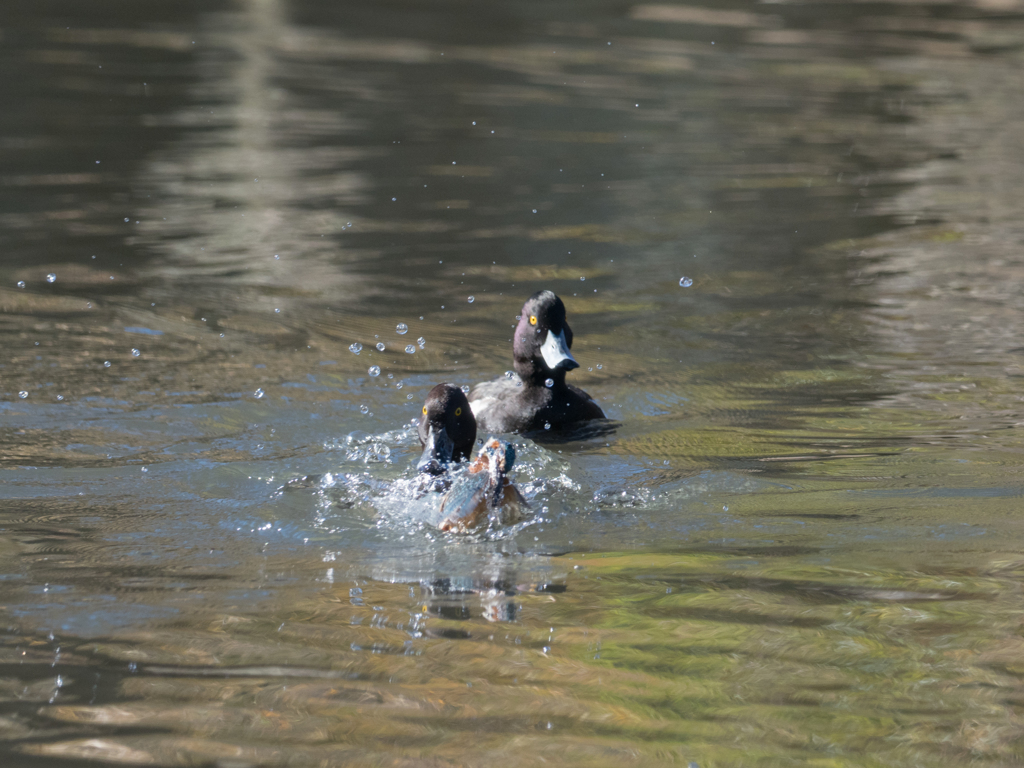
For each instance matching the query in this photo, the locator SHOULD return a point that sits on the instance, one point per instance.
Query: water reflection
(797, 541)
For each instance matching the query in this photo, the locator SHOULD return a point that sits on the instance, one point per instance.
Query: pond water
(790, 243)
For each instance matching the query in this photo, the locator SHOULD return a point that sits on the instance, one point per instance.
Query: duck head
(447, 429)
(543, 340)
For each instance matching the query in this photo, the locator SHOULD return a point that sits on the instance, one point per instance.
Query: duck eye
(458, 411)
(424, 410)
(533, 319)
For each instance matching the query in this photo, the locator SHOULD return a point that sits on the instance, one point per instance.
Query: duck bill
(438, 449)
(556, 353)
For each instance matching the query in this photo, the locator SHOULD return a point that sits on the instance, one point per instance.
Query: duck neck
(534, 374)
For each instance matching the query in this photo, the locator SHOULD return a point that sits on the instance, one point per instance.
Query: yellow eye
(424, 410)
(533, 319)
(458, 411)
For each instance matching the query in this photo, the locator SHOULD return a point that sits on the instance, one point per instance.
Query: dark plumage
(447, 429)
(540, 351)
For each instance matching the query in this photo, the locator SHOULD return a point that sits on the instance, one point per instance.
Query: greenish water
(800, 544)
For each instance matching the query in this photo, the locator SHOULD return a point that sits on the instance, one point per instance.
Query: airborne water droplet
(401, 329)
(422, 342)
(685, 282)
(410, 348)
(258, 394)
(465, 388)
(21, 283)
(363, 409)
(380, 346)
(547, 425)
(106, 363)
(510, 374)
(23, 394)
(549, 383)
(374, 370)
(471, 299)
(51, 278)
(135, 353)
(355, 348)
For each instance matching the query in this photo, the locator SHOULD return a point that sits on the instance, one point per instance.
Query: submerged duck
(540, 349)
(484, 492)
(446, 428)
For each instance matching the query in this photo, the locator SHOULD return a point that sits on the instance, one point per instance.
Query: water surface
(788, 237)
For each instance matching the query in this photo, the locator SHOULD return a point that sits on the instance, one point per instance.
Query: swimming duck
(540, 349)
(446, 428)
(484, 492)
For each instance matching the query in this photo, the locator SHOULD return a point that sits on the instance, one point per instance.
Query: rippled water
(789, 239)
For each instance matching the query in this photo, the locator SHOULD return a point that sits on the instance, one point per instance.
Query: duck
(484, 492)
(446, 429)
(538, 398)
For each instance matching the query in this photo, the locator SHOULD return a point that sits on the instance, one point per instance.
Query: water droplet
(685, 282)
(60, 397)
(258, 394)
(380, 346)
(725, 508)
(355, 348)
(422, 342)
(277, 256)
(590, 369)
(363, 409)
(23, 394)
(21, 283)
(549, 383)
(106, 363)
(599, 366)
(374, 370)
(51, 278)
(471, 299)
(408, 397)
(410, 348)
(547, 425)
(399, 385)
(465, 388)
(510, 374)
(145, 469)
(135, 353)
(582, 278)
(401, 329)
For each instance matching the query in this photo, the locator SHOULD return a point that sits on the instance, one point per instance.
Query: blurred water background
(790, 242)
